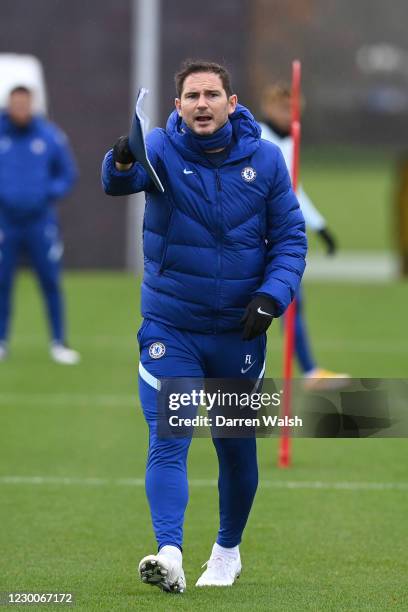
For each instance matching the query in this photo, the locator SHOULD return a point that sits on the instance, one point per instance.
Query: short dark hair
(192, 66)
(20, 89)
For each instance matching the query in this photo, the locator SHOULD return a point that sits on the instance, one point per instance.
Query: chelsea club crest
(157, 350)
(248, 174)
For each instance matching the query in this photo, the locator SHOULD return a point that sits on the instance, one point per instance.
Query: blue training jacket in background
(218, 235)
(36, 167)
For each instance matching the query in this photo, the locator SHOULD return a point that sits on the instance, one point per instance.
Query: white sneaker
(164, 572)
(62, 354)
(3, 351)
(222, 570)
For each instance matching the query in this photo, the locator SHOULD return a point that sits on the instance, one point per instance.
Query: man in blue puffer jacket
(36, 169)
(224, 249)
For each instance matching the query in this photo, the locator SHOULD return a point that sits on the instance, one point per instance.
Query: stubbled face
(204, 104)
(20, 108)
(278, 111)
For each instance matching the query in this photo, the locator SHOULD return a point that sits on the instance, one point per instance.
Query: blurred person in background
(224, 252)
(36, 169)
(276, 127)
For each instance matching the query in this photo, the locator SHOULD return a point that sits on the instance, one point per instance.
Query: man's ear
(177, 104)
(232, 103)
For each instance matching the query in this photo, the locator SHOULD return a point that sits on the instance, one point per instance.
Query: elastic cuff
(169, 544)
(228, 543)
(115, 172)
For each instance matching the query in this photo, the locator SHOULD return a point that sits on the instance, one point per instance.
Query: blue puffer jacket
(36, 167)
(217, 236)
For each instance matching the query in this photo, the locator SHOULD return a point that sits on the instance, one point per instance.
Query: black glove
(121, 151)
(258, 316)
(329, 240)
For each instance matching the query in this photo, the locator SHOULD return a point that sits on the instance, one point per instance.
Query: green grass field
(355, 191)
(307, 547)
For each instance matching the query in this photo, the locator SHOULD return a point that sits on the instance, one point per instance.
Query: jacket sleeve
(286, 241)
(64, 171)
(117, 183)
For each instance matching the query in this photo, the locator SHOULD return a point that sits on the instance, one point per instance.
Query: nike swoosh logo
(244, 371)
(267, 314)
(188, 171)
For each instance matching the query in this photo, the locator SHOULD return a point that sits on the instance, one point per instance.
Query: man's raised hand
(121, 152)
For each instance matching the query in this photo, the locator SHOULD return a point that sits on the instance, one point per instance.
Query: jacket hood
(246, 134)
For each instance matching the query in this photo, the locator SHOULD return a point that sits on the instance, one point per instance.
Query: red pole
(285, 451)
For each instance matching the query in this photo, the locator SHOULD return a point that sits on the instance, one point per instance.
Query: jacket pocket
(166, 243)
(262, 225)
(263, 236)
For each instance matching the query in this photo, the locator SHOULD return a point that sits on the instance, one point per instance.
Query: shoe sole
(152, 572)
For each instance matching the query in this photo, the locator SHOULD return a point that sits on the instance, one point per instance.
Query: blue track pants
(188, 354)
(39, 239)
